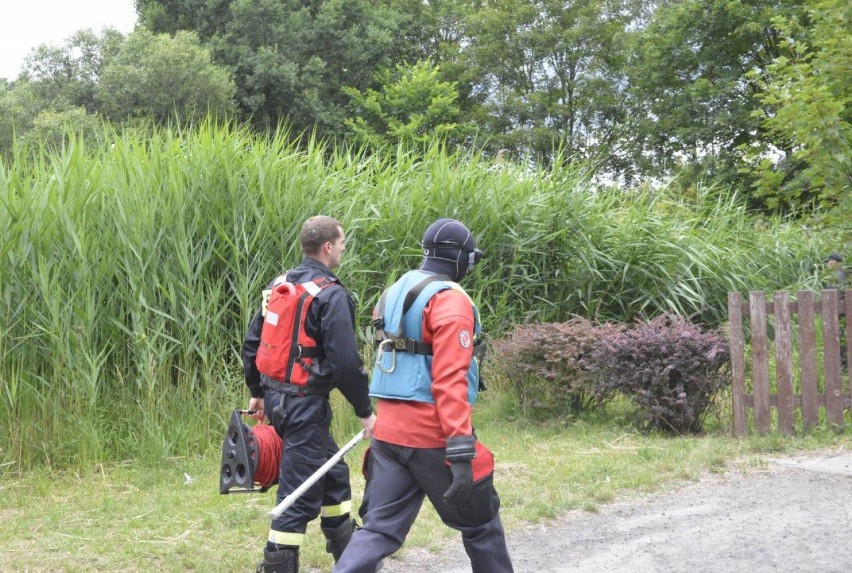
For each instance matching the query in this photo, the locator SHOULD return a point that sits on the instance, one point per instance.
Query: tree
(57, 91)
(692, 97)
(437, 31)
(18, 108)
(552, 74)
(52, 128)
(142, 75)
(67, 76)
(413, 107)
(290, 58)
(162, 77)
(170, 16)
(808, 103)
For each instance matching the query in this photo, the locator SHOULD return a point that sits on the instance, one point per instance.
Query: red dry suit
(420, 425)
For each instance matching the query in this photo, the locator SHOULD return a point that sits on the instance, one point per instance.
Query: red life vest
(284, 344)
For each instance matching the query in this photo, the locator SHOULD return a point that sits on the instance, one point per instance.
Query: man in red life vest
(294, 354)
(426, 381)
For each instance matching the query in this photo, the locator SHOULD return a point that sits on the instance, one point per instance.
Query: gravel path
(795, 515)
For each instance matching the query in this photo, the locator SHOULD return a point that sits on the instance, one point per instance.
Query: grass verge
(169, 516)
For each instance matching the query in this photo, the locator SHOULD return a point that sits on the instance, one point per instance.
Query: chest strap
(404, 345)
(310, 389)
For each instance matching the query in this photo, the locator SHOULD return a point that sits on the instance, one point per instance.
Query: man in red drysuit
(426, 381)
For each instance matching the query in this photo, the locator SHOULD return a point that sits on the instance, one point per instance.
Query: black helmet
(449, 248)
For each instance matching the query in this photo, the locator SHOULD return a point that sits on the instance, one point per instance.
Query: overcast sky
(25, 24)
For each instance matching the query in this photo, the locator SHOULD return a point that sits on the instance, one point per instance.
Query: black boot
(338, 538)
(282, 561)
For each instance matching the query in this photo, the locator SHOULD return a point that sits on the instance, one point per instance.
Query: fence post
(831, 359)
(784, 363)
(847, 297)
(735, 342)
(760, 361)
(807, 358)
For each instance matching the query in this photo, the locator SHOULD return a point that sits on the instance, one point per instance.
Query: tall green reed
(132, 267)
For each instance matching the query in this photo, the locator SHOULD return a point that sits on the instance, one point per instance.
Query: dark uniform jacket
(331, 322)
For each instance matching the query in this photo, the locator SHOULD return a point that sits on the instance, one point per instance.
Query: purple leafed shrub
(548, 365)
(669, 368)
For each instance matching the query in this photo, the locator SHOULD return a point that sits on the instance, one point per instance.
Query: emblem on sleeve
(464, 339)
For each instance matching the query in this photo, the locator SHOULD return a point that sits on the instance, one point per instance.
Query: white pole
(290, 499)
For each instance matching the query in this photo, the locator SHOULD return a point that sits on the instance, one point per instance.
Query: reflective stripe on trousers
(304, 422)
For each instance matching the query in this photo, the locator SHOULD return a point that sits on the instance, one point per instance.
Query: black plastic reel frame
(239, 458)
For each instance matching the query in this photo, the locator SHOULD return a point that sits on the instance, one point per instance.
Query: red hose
(269, 450)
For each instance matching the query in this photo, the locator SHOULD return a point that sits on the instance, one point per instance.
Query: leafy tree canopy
(693, 100)
(67, 76)
(808, 105)
(142, 75)
(18, 108)
(552, 74)
(161, 76)
(413, 107)
(290, 58)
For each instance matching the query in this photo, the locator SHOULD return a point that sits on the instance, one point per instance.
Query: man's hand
(256, 404)
(462, 483)
(368, 423)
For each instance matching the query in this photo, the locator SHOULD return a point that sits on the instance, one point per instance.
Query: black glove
(462, 483)
(460, 450)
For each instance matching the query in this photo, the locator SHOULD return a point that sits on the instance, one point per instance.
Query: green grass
(137, 517)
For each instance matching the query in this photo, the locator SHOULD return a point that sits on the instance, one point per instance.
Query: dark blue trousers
(398, 479)
(303, 423)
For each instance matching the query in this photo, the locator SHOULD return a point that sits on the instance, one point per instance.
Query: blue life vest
(402, 375)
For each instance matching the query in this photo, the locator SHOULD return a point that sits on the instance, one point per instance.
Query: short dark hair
(318, 231)
(834, 257)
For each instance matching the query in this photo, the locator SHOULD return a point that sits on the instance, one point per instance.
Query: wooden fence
(835, 396)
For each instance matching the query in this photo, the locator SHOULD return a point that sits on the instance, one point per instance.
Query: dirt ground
(793, 515)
